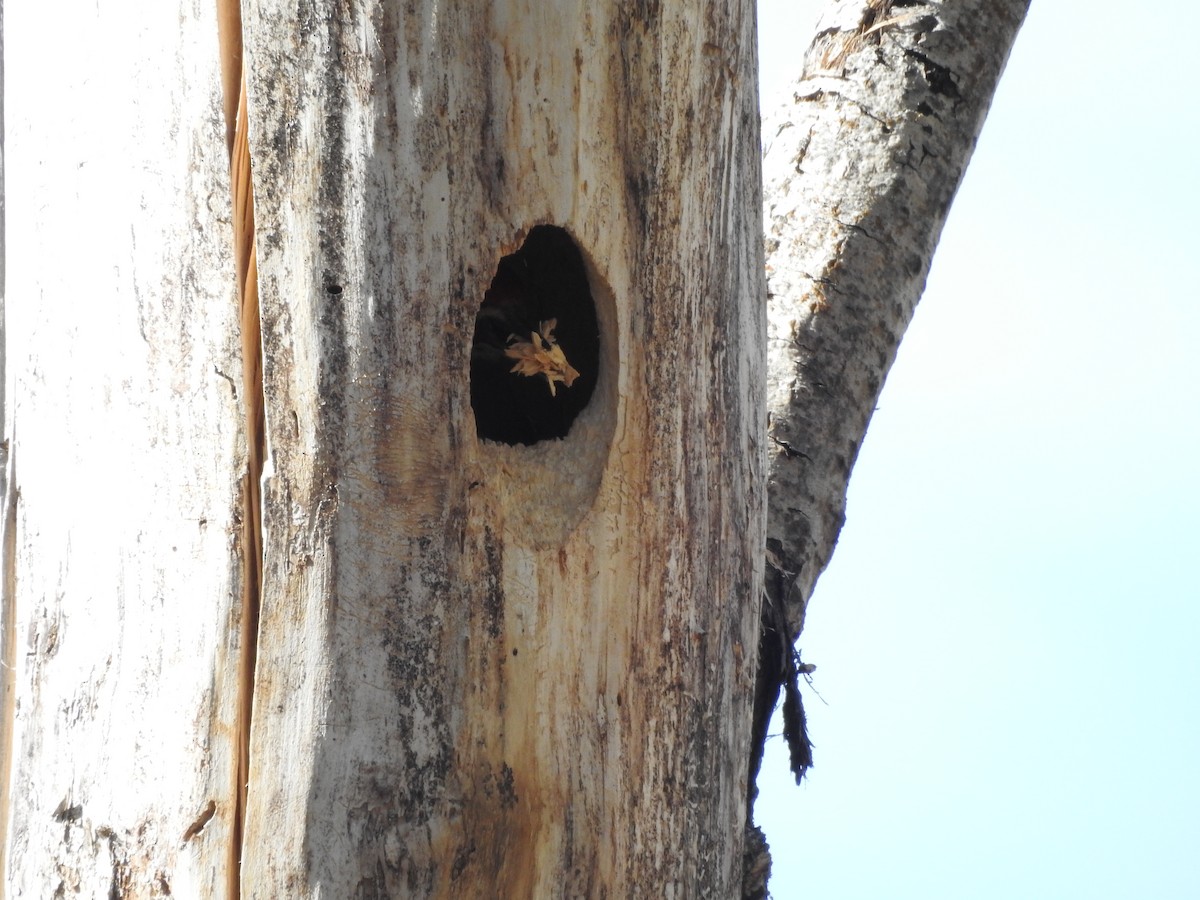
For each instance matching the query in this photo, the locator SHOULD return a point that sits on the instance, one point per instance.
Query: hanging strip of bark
(860, 167)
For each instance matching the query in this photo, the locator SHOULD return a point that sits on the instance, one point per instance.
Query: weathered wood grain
(489, 670)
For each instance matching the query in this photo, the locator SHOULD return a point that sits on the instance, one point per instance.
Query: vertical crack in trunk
(237, 139)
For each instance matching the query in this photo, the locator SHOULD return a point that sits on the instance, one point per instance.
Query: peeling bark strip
(859, 171)
(233, 81)
(492, 670)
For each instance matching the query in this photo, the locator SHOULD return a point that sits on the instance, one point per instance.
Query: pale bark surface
(121, 565)
(492, 671)
(860, 167)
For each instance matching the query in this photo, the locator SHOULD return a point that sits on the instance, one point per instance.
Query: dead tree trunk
(490, 669)
(508, 404)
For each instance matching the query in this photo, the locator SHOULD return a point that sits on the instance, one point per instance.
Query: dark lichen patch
(508, 791)
(493, 586)
(422, 723)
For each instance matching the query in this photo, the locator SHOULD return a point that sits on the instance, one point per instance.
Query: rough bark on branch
(860, 167)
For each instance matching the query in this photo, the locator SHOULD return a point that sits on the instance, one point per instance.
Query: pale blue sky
(1006, 639)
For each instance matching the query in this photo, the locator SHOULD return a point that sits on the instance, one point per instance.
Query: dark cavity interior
(544, 280)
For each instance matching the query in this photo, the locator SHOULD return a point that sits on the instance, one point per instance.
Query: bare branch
(860, 167)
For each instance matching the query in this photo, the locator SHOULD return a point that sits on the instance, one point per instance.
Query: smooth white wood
(122, 570)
